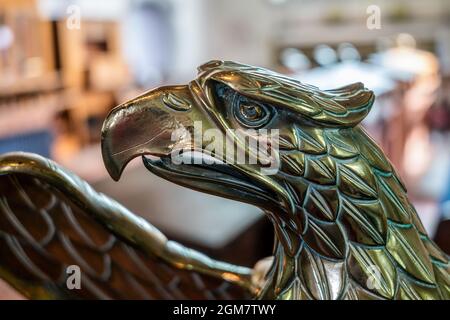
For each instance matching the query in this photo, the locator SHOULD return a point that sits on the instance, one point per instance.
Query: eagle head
(244, 104)
(337, 205)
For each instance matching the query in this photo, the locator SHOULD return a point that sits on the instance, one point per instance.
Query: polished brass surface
(344, 226)
(50, 219)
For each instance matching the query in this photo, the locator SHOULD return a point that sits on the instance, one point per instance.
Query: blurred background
(65, 64)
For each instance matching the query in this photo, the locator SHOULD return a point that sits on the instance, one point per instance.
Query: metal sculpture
(343, 223)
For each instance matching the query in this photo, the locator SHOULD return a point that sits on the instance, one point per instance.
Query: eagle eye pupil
(248, 112)
(251, 112)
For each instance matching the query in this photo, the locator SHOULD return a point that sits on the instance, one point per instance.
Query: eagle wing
(53, 224)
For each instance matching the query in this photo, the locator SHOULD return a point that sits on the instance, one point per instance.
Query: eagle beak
(145, 126)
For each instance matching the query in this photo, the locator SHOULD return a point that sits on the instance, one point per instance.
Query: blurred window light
(348, 52)
(147, 41)
(405, 63)
(6, 37)
(324, 55)
(294, 59)
(374, 77)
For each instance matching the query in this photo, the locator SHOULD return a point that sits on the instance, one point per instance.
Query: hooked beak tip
(143, 125)
(111, 164)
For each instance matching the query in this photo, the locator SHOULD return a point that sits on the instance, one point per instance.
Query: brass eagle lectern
(344, 226)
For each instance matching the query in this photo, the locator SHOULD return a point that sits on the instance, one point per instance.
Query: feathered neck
(353, 233)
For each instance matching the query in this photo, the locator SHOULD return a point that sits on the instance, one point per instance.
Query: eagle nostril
(176, 103)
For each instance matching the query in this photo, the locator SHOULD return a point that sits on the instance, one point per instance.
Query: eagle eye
(247, 111)
(250, 113)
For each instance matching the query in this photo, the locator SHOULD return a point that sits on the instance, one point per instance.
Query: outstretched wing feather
(51, 219)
